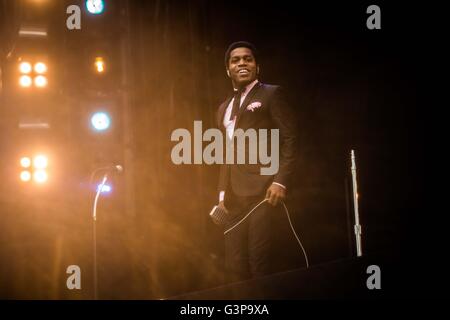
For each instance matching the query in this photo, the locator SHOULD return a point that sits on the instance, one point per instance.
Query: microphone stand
(355, 206)
(94, 234)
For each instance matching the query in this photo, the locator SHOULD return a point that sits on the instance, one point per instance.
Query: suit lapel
(246, 101)
(222, 110)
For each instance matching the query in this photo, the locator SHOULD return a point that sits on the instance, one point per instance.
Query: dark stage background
(353, 88)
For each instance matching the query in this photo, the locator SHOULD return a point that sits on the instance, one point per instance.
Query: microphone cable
(290, 224)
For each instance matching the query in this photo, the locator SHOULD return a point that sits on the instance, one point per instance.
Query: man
(241, 186)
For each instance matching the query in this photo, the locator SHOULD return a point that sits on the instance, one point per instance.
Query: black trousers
(247, 246)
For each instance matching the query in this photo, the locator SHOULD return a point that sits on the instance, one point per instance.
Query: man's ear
(257, 70)
(228, 73)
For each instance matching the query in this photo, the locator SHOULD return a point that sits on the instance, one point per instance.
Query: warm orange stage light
(40, 68)
(99, 64)
(25, 176)
(25, 81)
(40, 81)
(25, 67)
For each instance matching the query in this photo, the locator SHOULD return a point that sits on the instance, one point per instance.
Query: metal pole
(95, 258)
(349, 218)
(94, 235)
(355, 206)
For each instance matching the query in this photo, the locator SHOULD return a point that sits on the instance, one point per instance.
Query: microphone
(117, 168)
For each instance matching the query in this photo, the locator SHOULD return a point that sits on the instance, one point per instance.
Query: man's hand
(275, 194)
(221, 205)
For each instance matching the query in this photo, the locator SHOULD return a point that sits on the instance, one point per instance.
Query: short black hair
(240, 44)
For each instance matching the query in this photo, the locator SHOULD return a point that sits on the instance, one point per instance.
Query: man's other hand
(275, 194)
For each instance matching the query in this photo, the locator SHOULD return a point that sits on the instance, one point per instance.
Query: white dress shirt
(229, 123)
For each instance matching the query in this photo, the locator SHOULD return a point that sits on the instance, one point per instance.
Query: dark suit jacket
(274, 113)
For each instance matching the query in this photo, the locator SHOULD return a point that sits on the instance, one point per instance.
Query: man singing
(253, 105)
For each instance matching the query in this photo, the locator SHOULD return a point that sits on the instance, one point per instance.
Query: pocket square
(254, 105)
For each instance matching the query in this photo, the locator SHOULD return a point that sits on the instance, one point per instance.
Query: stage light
(106, 188)
(40, 162)
(32, 32)
(95, 6)
(25, 162)
(40, 81)
(25, 81)
(40, 176)
(25, 176)
(99, 64)
(34, 168)
(25, 67)
(100, 121)
(40, 68)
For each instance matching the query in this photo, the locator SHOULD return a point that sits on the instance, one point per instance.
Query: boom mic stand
(355, 207)
(94, 234)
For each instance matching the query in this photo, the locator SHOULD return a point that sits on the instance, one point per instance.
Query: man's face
(242, 67)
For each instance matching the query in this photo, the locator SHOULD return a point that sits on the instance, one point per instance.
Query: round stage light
(25, 162)
(40, 162)
(100, 121)
(95, 6)
(40, 176)
(25, 67)
(25, 81)
(40, 81)
(40, 67)
(25, 176)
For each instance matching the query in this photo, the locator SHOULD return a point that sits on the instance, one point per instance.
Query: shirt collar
(248, 87)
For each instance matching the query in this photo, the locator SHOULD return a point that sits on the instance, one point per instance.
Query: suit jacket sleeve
(223, 178)
(285, 120)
